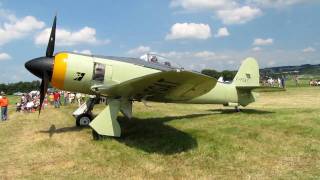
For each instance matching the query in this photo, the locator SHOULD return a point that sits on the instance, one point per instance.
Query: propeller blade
(43, 89)
(52, 39)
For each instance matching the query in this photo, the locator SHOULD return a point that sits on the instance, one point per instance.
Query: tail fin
(248, 74)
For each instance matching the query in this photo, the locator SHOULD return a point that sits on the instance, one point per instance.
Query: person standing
(56, 98)
(4, 102)
(66, 98)
(279, 82)
(51, 99)
(283, 82)
(78, 97)
(1, 104)
(296, 80)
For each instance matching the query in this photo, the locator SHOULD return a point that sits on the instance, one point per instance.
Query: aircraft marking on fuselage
(244, 80)
(79, 76)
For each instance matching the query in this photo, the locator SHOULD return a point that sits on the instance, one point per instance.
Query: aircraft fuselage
(78, 73)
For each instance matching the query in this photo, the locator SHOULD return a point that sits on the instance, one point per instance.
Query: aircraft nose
(39, 66)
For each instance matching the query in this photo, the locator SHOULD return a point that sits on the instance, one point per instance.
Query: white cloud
(7, 15)
(228, 11)
(139, 50)
(86, 35)
(205, 54)
(278, 3)
(189, 31)
(175, 54)
(234, 11)
(238, 15)
(86, 51)
(202, 55)
(4, 56)
(308, 50)
(203, 4)
(199, 60)
(16, 28)
(262, 42)
(222, 32)
(256, 49)
(271, 63)
(209, 55)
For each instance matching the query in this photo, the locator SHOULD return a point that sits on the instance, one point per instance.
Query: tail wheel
(83, 120)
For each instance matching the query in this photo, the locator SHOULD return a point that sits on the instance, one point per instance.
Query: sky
(197, 34)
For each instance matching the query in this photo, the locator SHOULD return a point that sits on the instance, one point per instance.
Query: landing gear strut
(106, 123)
(96, 136)
(237, 109)
(83, 114)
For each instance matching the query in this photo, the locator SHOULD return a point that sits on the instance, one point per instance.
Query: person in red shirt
(56, 98)
(4, 102)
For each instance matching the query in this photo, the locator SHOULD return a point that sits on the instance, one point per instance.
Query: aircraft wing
(169, 86)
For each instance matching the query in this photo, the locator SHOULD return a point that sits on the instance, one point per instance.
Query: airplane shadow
(152, 135)
(244, 111)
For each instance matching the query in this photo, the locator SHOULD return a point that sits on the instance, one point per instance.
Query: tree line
(227, 75)
(23, 87)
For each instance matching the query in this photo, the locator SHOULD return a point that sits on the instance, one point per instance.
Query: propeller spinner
(42, 67)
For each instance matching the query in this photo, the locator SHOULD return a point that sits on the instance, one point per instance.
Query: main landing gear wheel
(83, 120)
(84, 114)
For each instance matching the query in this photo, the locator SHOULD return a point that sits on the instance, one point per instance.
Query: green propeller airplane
(124, 80)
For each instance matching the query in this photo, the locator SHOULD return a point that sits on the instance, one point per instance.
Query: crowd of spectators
(271, 82)
(314, 82)
(30, 102)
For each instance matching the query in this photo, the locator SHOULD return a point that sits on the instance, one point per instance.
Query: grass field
(277, 137)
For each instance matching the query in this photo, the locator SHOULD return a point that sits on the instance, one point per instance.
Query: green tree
(20, 87)
(211, 72)
(227, 75)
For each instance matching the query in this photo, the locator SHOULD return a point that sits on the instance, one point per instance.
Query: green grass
(277, 137)
(302, 83)
(13, 99)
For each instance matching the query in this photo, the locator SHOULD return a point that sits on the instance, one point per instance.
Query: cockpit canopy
(155, 58)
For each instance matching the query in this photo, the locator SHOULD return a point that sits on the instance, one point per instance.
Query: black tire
(83, 120)
(96, 136)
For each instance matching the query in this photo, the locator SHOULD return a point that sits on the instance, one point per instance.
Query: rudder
(248, 74)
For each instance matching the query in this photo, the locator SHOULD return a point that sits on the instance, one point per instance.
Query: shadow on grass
(244, 111)
(152, 135)
(53, 130)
